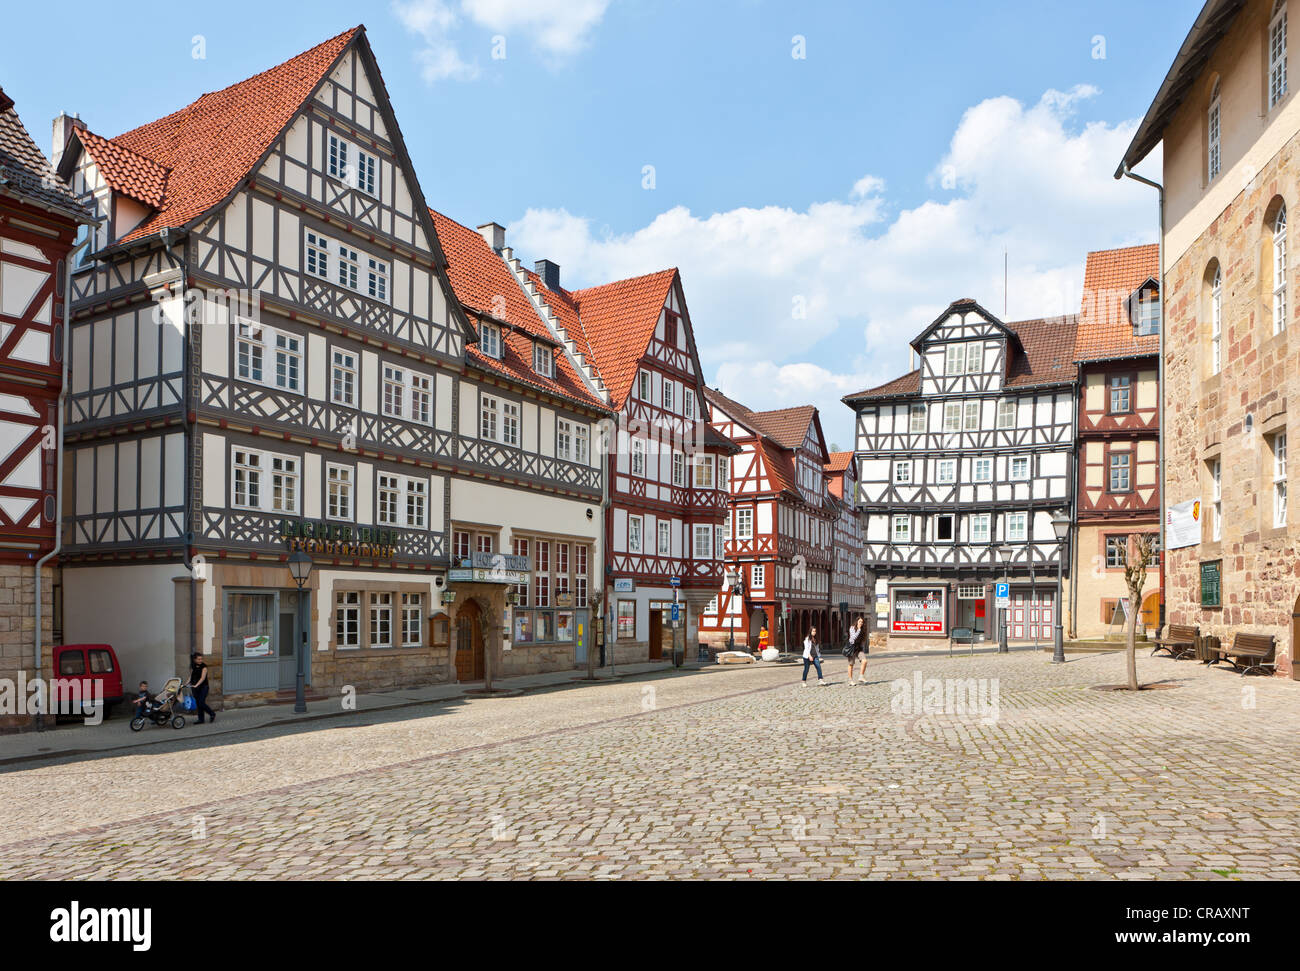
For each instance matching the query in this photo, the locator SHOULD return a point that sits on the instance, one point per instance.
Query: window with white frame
(916, 419)
(974, 357)
(668, 394)
(351, 165)
(249, 484)
(343, 378)
(288, 362)
(338, 492)
(284, 484)
(1017, 526)
(719, 543)
(1216, 322)
(634, 525)
(394, 398)
(1007, 413)
(703, 549)
(421, 398)
(509, 423)
(563, 440)
(971, 421)
(1216, 498)
(703, 471)
(679, 469)
(348, 262)
(903, 472)
(412, 619)
(581, 444)
(744, 524)
(688, 403)
(757, 576)
(1120, 471)
(1277, 54)
(1279, 271)
(488, 418)
(417, 503)
(902, 529)
(982, 470)
(947, 471)
(1212, 124)
(954, 359)
(249, 350)
(347, 619)
(402, 501)
(389, 499)
(724, 473)
(377, 279)
(489, 339)
(638, 456)
(665, 537)
(246, 479)
(643, 386)
(543, 360)
(1019, 468)
(952, 416)
(1279, 479)
(318, 260)
(381, 620)
(979, 527)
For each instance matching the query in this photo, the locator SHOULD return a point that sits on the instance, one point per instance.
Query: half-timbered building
(849, 577)
(1119, 435)
(39, 220)
(268, 355)
(668, 470)
(781, 527)
(963, 460)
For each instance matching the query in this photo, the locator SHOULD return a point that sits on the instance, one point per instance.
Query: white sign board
(1002, 596)
(1183, 525)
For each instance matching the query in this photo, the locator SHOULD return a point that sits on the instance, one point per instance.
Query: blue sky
(822, 209)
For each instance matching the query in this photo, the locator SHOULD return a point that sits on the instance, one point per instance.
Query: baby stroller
(160, 709)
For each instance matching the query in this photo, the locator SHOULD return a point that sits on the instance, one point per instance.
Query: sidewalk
(74, 738)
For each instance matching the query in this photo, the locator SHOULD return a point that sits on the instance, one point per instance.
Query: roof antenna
(1004, 282)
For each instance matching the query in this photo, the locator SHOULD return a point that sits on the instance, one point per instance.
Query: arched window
(1277, 54)
(1279, 271)
(1213, 157)
(1216, 322)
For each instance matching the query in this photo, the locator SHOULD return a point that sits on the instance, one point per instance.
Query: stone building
(1228, 118)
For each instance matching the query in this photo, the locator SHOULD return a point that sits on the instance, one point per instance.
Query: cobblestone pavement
(734, 773)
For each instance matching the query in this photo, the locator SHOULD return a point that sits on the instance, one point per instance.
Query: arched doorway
(469, 642)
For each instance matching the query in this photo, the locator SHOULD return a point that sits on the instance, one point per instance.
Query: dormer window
(490, 340)
(1144, 310)
(543, 360)
(351, 165)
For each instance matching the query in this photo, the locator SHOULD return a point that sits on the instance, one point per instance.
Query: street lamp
(1005, 553)
(1060, 526)
(300, 569)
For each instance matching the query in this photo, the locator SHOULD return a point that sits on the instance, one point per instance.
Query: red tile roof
(1049, 351)
(206, 148)
(777, 456)
(909, 383)
(612, 323)
(485, 286)
(788, 427)
(1109, 279)
(25, 172)
(839, 461)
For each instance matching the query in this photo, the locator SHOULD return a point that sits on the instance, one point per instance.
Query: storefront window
(918, 610)
(523, 627)
(626, 629)
(564, 625)
(250, 627)
(543, 622)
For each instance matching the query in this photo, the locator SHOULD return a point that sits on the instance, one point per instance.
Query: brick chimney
(495, 235)
(549, 272)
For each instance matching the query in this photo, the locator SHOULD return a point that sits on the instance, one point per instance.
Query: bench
(1250, 652)
(1180, 641)
(961, 635)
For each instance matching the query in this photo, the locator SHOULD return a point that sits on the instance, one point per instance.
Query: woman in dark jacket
(199, 686)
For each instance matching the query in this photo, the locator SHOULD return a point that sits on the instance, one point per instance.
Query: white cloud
(866, 277)
(557, 28)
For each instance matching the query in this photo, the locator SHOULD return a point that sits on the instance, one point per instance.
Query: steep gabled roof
(612, 323)
(772, 430)
(788, 427)
(1048, 356)
(483, 283)
(190, 161)
(839, 462)
(1110, 278)
(963, 306)
(25, 172)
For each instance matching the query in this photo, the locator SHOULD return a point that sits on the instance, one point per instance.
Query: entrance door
(469, 643)
(656, 635)
(1032, 617)
(289, 642)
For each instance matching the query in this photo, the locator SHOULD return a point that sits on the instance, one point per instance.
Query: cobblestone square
(725, 773)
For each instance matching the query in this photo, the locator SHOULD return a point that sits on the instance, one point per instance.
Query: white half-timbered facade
(273, 359)
(970, 452)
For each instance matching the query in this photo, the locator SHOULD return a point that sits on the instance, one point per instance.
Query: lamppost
(1060, 526)
(732, 577)
(1005, 552)
(300, 569)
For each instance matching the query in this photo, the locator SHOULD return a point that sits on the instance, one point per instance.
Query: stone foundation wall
(18, 633)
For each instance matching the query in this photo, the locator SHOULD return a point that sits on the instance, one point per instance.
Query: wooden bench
(1250, 652)
(962, 635)
(1180, 641)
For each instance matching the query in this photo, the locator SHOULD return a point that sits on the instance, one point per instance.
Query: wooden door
(469, 643)
(656, 635)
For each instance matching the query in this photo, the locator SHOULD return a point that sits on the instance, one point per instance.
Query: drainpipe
(186, 346)
(1160, 379)
(68, 260)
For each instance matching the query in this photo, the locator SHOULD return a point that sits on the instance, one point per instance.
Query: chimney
(63, 126)
(549, 272)
(495, 236)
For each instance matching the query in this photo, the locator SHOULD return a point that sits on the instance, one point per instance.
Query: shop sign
(624, 585)
(918, 610)
(513, 577)
(339, 539)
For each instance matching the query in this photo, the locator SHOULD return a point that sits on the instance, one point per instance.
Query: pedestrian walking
(812, 655)
(856, 649)
(199, 686)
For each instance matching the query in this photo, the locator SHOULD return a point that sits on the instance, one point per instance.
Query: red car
(86, 663)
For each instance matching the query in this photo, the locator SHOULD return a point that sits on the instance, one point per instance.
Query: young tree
(1135, 577)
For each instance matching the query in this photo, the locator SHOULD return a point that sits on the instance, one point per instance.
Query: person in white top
(812, 655)
(857, 648)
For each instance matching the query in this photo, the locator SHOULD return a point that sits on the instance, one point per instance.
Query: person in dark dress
(199, 687)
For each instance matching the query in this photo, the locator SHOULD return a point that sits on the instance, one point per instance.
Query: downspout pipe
(38, 656)
(1160, 379)
(187, 350)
